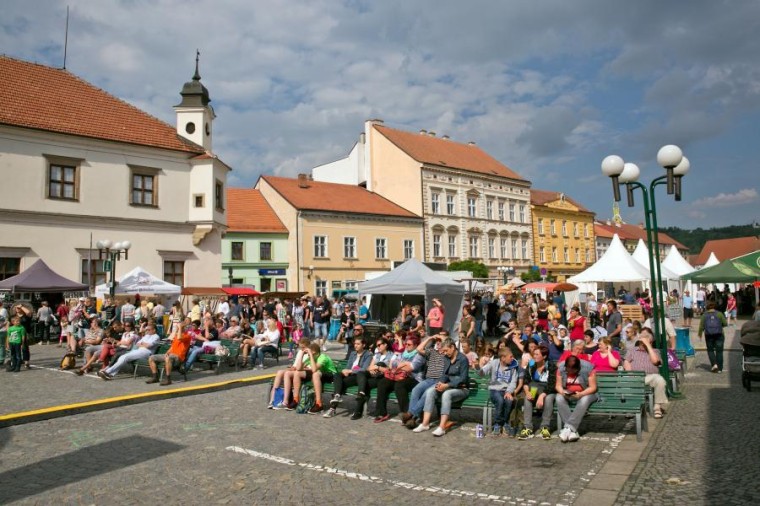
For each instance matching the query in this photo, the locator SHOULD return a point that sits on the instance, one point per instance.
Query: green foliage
(696, 239)
(531, 276)
(477, 269)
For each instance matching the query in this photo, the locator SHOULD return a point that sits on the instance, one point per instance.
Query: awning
(202, 290)
(239, 290)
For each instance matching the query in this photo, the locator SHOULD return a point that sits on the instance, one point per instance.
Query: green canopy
(743, 269)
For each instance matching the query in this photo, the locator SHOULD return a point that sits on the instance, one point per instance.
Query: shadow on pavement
(79, 465)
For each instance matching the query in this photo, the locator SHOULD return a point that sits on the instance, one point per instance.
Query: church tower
(195, 116)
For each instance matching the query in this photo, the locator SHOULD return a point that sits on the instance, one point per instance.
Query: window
(586, 228)
(522, 213)
(143, 190)
(435, 203)
(471, 203)
(321, 287)
(473, 246)
(542, 255)
(503, 247)
(450, 210)
(320, 246)
(381, 247)
(491, 247)
(9, 267)
(236, 250)
(437, 245)
(501, 211)
(349, 247)
(219, 195)
(99, 275)
(553, 227)
(514, 249)
(525, 249)
(62, 182)
(577, 256)
(174, 272)
(554, 255)
(566, 255)
(265, 251)
(352, 285)
(489, 209)
(564, 228)
(199, 200)
(408, 249)
(588, 256)
(511, 211)
(575, 229)
(453, 246)
(540, 226)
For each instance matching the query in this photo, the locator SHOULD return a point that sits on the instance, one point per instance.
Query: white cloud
(740, 198)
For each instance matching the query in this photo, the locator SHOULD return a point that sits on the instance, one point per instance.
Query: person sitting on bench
(359, 360)
(644, 357)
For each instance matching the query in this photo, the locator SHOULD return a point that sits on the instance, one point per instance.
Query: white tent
(415, 283)
(641, 255)
(140, 281)
(713, 260)
(676, 263)
(616, 265)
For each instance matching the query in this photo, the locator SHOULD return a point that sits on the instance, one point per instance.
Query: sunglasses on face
(380, 344)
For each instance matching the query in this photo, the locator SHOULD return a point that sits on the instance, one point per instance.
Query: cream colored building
(80, 165)
(339, 234)
(473, 206)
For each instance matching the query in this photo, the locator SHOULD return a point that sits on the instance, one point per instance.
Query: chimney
(376, 121)
(303, 181)
(362, 138)
(471, 143)
(431, 133)
(423, 131)
(445, 137)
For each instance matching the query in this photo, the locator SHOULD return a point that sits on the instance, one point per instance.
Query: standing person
(688, 308)
(711, 325)
(320, 318)
(731, 308)
(4, 321)
(109, 310)
(576, 323)
(45, 318)
(128, 312)
(614, 323)
(363, 311)
(435, 317)
(16, 339)
(700, 298)
(593, 311)
(467, 327)
(24, 315)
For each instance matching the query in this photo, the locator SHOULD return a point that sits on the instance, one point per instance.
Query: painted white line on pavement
(61, 370)
(501, 499)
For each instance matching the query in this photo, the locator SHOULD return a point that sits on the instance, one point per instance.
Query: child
(501, 388)
(16, 339)
(296, 338)
(66, 331)
(472, 357)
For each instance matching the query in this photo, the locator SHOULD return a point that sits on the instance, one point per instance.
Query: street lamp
(676, 166)
(112, 253)
(506, 272)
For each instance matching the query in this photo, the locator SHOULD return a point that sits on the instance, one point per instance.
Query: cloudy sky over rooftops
(549, 88)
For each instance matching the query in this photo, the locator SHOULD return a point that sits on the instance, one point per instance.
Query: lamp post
(112, 253)
(506, 272)
(676, 166)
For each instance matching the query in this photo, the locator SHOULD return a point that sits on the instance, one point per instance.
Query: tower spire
(197, 75)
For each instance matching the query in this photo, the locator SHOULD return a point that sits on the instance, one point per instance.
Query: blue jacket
(456, 373)
(364, 362)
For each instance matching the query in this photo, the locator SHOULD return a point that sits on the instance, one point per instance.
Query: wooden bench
(620, 393)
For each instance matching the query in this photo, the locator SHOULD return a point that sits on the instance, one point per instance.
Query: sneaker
(329, 413)
(279, 405)
(421, 428)
(315, 409)
(335, 401)
(383, 418)
(356, 416)
(573, 436)
(714, 368)
(545, 433)
(496, 430)
(291, 406)
(564, 434)
(104, 375)
(79, 372)
(526, 433)
(270, 406)
(260, 367)
(438, 432)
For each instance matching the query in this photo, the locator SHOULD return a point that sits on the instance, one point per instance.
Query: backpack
(69, 361)
(713, 327)
(307, 401)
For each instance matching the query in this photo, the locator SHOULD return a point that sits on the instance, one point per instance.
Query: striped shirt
(640, 361)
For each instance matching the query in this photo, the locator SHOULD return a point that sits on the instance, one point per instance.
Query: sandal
(657, 412)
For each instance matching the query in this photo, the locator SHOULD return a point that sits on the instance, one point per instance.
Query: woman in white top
(266, 342)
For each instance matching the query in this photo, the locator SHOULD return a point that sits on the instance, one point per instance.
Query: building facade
(630, 235)
(473, 207)
(339, 234)
(563, 234)
(80, 166)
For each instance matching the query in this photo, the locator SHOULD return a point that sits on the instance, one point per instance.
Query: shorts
(688, 312)
(162, 358)
(701, 304)
(327, 377)
(731, 313)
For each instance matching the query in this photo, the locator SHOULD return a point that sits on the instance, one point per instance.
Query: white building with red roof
(80, 165)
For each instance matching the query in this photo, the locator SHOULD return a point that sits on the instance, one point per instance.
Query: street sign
(106, 265)
(543, 271)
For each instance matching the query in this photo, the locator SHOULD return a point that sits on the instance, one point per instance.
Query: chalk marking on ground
(501, 499)
(60, 370)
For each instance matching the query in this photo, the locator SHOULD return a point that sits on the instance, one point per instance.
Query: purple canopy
(40, 278)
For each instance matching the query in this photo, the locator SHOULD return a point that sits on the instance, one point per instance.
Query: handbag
(222, 351)
(673, 363)
(396, 374)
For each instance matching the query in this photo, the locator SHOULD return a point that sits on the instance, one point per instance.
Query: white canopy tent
(138, 280)
(678, 264)
(415, 283)
(616, 265)
(641, 255)
(712, 260)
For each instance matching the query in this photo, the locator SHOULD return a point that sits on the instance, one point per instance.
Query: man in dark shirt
(321, 317)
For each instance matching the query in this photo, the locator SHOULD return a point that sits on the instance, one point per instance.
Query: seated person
(644, 357)
(554, 344)
(538, 383)
(92, 337)
(527, 357)
(175, 355)
(452, 386)
(529, 334)
(205, 339)
(502, 382)
(101, 351)
(284, 377)
(317, 368)
(430, 351)
(234, 330)
(143, 349)
(576, 383)
(576, 350)
(406, 371)
(589, 346)
(605, 359)
(266, 342)
(359, 360)
(367, 380)
(472, 357)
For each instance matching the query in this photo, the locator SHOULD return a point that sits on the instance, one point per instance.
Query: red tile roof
(543, 197)
(728, 248)
(45, 98)
(333, 197)
(445, 152)
(628, 232)
(248, 211)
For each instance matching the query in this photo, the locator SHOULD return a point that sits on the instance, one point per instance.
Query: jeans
(3, 338)
(501, 407)
(715, 350)
(417, 401)
(15, 364)
(572, 419)
(448, 397)
(546, 417)
(260, 350)
(192, 355)
(320, 330)
(128, 357)
(479, 327)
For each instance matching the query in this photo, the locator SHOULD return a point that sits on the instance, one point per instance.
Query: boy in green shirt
(320, 373)
(16, 338)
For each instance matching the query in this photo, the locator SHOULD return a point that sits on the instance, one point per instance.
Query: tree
(531, 275)
(477, 269)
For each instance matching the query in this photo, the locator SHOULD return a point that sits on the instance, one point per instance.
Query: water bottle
(479, 431)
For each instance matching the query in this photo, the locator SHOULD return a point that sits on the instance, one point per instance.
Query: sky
(549, 88)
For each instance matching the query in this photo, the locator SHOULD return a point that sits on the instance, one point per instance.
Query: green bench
(142, 363)
(620, 393)
(217, 361)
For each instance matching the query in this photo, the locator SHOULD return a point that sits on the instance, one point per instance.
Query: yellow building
(563, 234)
(339, 233)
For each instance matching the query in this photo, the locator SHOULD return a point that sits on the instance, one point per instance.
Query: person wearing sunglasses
(367, 380)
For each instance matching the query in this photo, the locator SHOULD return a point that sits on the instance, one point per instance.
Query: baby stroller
(750, 341)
